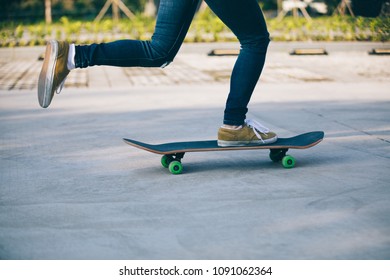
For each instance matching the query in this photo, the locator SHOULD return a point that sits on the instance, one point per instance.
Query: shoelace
(257, 127)
(61, 86)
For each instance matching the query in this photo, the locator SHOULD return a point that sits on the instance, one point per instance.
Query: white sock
(232, 128)
(71, 54)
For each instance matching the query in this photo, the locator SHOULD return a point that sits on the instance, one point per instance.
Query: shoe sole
(46, 77)
(222, 143)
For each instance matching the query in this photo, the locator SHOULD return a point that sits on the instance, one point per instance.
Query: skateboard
(173, 153)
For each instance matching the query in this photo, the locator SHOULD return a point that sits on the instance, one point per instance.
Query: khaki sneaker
(251, 133)
(54, 71)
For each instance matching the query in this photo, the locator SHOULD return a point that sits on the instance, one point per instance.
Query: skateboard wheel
(175, 167)
(288, 161)
(165, 161)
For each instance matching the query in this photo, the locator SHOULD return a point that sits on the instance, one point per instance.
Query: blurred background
(87, 9)
(33, 22)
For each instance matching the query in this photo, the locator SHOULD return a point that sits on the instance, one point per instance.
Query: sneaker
(54, 71)
(251, 133)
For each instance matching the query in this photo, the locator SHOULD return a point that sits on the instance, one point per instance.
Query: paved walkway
(70, 189)
(20, 67)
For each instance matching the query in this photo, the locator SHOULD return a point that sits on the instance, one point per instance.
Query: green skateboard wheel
(165, 161)
(288, 161)
(175, 167)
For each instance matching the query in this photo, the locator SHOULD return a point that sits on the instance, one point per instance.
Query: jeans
(243, 17)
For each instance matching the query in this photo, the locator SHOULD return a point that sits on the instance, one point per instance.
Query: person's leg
(173, 20)
(246, 20)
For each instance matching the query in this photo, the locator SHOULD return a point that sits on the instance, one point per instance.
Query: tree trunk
(115, 12)
(48, 17)
(150, 8)
(279, 3)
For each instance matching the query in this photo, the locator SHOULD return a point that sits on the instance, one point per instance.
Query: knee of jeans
(161, 55)
(259, 43)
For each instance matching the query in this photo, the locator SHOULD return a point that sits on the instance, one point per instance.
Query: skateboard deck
(174, 152)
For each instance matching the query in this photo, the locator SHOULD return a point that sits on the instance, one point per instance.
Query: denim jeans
(243, 17)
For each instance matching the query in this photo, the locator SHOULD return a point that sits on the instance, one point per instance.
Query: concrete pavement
(71, 189)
